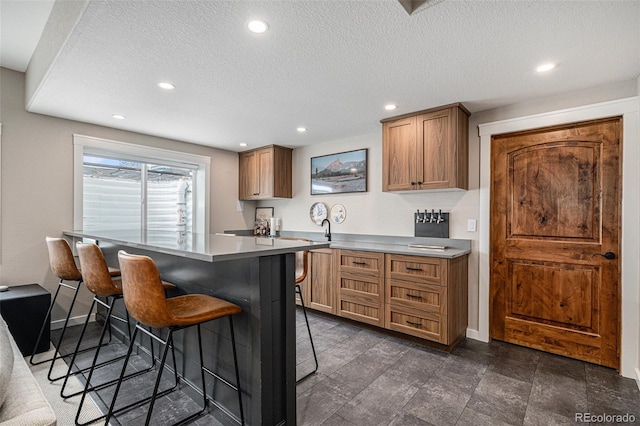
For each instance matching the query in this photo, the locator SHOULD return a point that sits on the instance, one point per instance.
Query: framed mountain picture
(339, 173)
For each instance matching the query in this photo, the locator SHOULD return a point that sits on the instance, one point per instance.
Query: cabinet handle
(413, 269)
(413, 183)
(417, 324)
(359, 263)
(419, 183)
(413, 296)
(256, 193)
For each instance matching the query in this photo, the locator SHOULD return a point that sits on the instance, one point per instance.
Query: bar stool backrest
(302, 260)
(61, 259)
(95, 271)
(143, 292)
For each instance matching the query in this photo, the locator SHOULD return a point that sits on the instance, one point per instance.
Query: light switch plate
(471, 225)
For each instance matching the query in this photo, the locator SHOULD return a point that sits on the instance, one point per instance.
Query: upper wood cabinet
(426, 150)
(265, 173)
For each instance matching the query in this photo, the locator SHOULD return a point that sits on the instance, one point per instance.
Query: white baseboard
(473, 334)
(79, 320)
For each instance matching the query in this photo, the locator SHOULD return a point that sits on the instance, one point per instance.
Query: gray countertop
(385, 243)
(447, 252)
(210, 248)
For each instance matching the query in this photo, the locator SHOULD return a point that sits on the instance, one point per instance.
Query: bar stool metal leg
(106, 326)
(167, 344)
(313, 348)
(61, 284)
(235, 365)
(235, 387)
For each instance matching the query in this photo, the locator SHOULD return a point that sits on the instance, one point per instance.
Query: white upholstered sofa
(21, 400)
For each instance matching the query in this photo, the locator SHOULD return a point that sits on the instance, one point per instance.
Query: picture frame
(344, 172)
(263, 214)
(262, 222)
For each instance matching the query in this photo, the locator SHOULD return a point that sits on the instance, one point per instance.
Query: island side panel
(265, 331)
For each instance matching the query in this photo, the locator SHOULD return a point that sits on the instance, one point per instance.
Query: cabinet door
(320, 292)
(248, 182)
(435, 139)
(399, 155)
(264, 173)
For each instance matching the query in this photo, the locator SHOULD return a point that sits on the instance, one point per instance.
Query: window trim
(201, 179)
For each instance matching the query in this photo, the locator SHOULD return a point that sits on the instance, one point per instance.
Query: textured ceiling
(329, 66)
(21, 23)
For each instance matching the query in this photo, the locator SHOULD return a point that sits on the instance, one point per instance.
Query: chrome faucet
(327, 232)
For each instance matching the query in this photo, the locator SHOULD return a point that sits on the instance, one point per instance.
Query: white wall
(37, 184)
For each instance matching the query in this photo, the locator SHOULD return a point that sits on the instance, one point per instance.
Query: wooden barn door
(555, 248)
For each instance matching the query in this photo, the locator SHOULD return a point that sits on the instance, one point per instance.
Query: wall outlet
(471, 225)
(240, 206)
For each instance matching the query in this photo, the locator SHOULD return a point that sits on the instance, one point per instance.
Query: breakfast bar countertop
(207, 247)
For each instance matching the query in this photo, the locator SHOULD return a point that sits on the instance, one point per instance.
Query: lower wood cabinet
(425, 297)
(361, 286)
(318, 289)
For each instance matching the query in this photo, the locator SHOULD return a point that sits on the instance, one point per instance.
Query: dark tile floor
(369, 378)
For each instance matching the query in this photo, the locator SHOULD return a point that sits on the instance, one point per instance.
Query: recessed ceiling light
(545, 67)
(390, 107)
(301, 129)
(243, 144)
(118, 116)
(257, 27)
(166, 85)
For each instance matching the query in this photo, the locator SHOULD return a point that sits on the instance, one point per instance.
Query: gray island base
(256, 274)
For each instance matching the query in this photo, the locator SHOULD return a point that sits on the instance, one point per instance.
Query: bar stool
(302, 267)
(147, 303)
(64, 267)
(98, 280)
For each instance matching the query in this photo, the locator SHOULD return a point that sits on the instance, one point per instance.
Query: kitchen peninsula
(255, 273)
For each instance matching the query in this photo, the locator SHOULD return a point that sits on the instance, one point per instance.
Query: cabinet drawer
(420, 324)
(361, 308)
(361, 262)
(352, 283)
(416, 269)
(427, 297)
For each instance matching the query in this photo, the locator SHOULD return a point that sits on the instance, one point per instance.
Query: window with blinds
(120, 185)
(127, 194)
